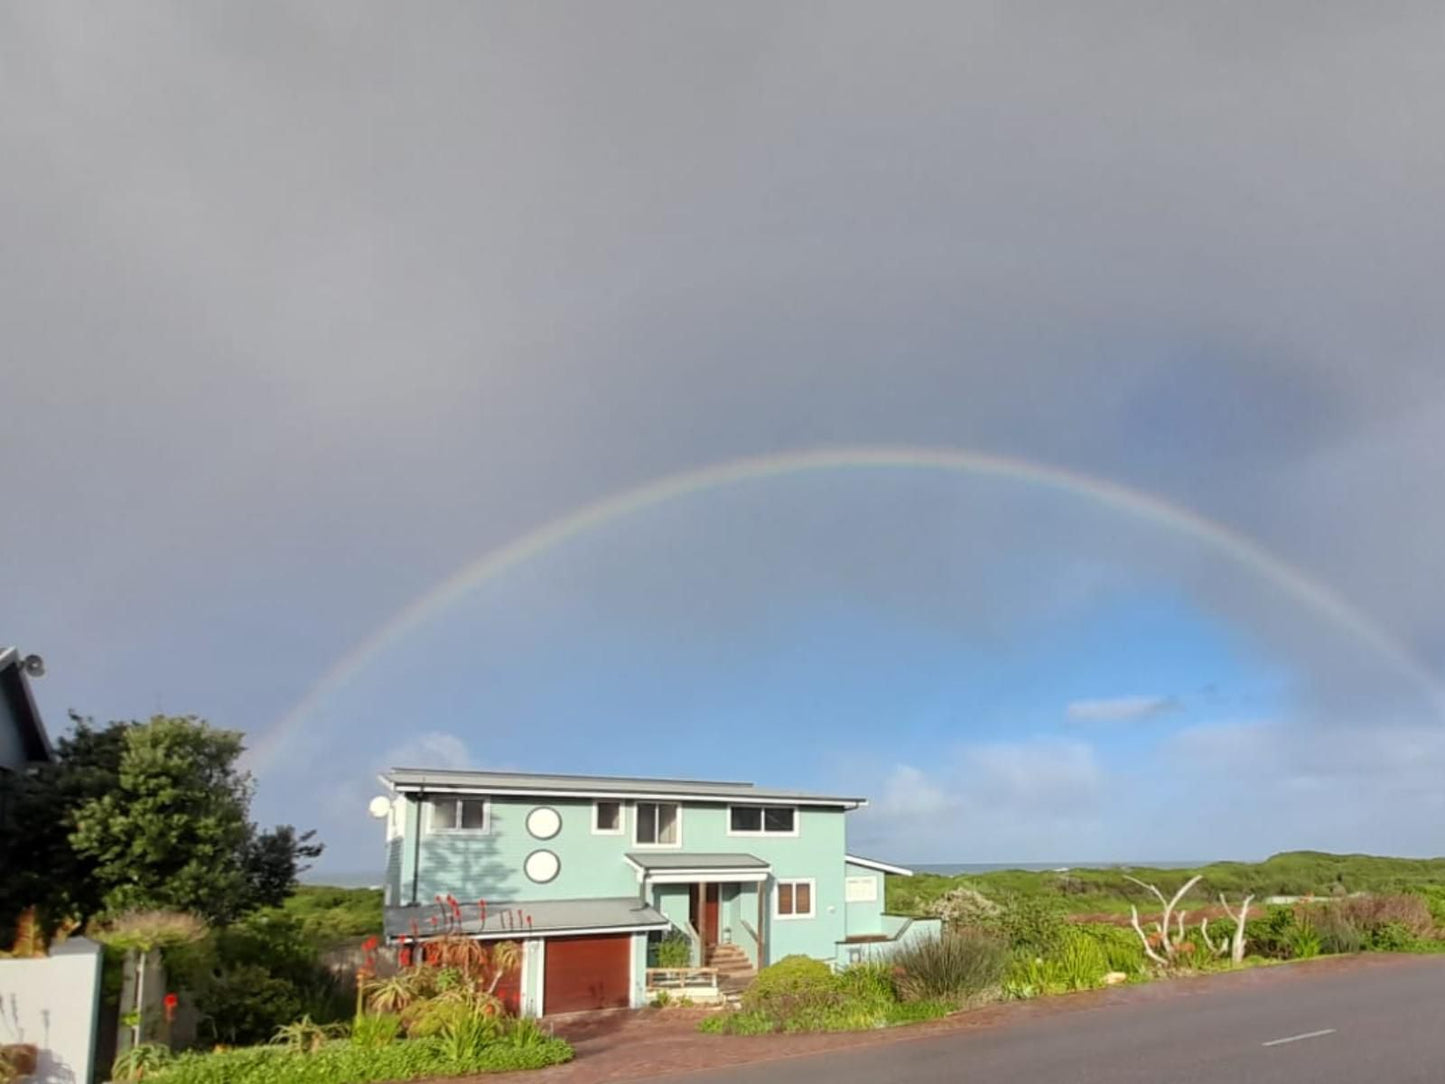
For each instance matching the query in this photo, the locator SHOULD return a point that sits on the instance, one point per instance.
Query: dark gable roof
(15, 690)
(604, 786)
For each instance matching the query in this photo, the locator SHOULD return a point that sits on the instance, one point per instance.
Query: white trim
(641, 871)
(704, 876)
(621, 829)
(541, 977)
(797, 817)
(881, 867)
(812, 884)
(673, 846)
(636, 976)
(523, 935)
(484, 830)
(630, 795)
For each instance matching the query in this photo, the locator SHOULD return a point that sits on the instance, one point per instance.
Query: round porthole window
(544, 822)
(541, 866)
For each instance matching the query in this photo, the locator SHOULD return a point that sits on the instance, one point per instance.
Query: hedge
(342, 1063)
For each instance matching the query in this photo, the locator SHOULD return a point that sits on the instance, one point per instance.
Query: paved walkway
(628, 1045)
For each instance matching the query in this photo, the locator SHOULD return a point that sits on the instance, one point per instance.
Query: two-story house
(586, 871)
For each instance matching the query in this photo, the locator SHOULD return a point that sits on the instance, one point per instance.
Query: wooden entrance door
(704, 915)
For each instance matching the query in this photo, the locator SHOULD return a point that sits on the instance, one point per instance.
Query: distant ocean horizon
(948, 869)
(953, 869)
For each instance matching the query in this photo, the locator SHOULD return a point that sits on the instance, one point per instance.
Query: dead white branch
(1236, 952)
(1169, 944)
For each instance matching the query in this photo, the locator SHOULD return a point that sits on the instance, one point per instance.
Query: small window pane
(667, 823)
(646, 822)
(443, 813)
(609, 816)
(778, 819)
(803, 898)
(474, 814)
(785, 899)
(747, 818)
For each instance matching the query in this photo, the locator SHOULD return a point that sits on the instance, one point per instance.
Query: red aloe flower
(406, 956)
(170, 1001)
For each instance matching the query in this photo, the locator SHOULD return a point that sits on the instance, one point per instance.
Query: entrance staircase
(734, 970)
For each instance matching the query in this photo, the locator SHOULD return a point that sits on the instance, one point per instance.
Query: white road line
(1297, 1038)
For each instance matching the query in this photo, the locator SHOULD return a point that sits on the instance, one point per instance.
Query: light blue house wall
(865, 917)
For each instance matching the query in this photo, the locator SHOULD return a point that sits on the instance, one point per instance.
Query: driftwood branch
(1168, 942)
(1236, 948)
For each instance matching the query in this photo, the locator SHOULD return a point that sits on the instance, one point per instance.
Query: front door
(704, 915)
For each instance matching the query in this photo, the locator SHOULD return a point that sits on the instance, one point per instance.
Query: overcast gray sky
(305, 307)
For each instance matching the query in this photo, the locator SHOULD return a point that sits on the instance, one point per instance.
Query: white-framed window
(607, 817)
(860, 889)
(459, 815)
(795, 899)
(762, 820)
(659, 824)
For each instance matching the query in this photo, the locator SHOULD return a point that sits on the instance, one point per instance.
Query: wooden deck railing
(683, 980)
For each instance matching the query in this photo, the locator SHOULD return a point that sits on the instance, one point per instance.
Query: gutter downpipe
(416, 847)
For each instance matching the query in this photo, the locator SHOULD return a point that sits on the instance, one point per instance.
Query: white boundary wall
(54, 1002)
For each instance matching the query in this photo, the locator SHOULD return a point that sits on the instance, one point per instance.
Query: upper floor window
(762, 820)
(606, 818)
(659, 824)
(459, 815)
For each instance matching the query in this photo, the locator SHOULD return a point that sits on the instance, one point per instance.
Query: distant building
(23, 741)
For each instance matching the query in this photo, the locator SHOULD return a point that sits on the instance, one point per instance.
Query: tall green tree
(145, 815)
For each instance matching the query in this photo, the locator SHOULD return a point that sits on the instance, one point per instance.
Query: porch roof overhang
(510, 921)
(684, 868)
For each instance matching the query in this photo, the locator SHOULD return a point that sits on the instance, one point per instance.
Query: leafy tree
(144, 815)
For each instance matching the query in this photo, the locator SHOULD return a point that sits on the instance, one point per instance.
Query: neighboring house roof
(602, 786)
(15, 690)
(873, 863)
(549, 918)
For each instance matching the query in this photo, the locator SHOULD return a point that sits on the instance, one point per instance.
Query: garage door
(587, 973)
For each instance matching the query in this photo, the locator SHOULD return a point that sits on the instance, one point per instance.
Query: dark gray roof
(591, 786)
(525, 918)
(15, 690)
(674, 860)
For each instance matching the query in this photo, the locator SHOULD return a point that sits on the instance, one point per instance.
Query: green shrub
(375, 1029)
(1121, 948)
(347, 1063)
(1035, 923)
(674, 950)
(1078, 961)
(1303, 942)
(792, 985)
(141, 1061)
(953, 966)
(1392, 937)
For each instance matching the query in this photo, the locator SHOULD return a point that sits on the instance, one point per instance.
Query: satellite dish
(379, 807)
(33, 665)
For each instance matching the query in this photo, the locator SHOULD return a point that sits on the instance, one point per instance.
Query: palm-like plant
(395, 993)
(306, 1035)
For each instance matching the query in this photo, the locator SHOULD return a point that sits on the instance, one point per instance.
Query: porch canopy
(680, 867)
(524, 918)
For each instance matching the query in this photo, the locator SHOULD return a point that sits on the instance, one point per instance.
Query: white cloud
(1121, 709)
(1034, 800)
(430, 749)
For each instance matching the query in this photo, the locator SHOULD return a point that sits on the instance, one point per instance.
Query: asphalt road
(1382, 1025)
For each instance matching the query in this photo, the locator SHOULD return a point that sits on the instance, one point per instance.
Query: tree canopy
(144, 815)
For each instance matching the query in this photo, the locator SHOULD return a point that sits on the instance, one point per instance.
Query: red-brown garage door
(587, 973)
